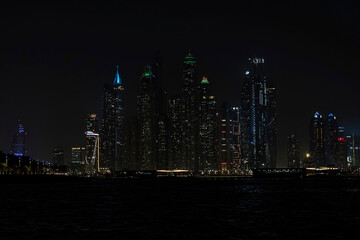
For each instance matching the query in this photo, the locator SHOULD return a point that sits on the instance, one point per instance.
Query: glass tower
(112, 126)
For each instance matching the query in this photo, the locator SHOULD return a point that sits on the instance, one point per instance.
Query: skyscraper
(341, 149)
(18, 145)
(189, 116)
(147, 117)
(293, 152)
(230, 147)
(316, 141)
(331, 140)
(253, 116)
(208, 134)
(77, 166)
(112, 126)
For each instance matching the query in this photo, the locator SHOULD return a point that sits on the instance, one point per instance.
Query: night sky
(55, 58)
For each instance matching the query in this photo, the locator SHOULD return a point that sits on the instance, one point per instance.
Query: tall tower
(208, 154)
(112, 126)
(189, 116)
(18, 145)
(341, 149)
(253, 116)
(230, 147)
(316, 141)
(147, 117)
(331, 140)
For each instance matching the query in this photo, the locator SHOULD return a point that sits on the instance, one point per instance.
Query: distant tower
(18, 145)
(208, 154)
(189, 115)
(230, 147)
(341, 149)
(147, 118)
(293, 152)
(331, 140)
(316, 141)
(253, 116)
(112, 126)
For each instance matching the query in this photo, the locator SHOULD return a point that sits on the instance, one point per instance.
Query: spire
(117, 80)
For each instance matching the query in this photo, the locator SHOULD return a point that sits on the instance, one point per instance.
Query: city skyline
(57, 82)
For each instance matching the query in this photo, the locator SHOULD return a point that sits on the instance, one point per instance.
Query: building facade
(58, 156)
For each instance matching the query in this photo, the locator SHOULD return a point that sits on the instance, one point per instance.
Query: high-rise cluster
(188, 131)
(329, 146)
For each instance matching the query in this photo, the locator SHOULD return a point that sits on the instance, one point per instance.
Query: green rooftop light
(147, 71)
(189, 59)
(205, 81)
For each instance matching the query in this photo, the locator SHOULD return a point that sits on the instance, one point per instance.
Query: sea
(181, 208)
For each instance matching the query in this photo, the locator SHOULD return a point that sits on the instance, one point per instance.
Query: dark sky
(55, 58)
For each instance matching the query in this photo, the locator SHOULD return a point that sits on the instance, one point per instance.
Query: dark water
(182, 209)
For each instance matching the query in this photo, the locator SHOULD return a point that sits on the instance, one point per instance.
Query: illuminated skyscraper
(341, 149)
(331, 140)
(230, 147)
(147, 117)
(18, 145)
(316, 141)
(253, 116)
(189, 116)
(208, 134)
(112, 126)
